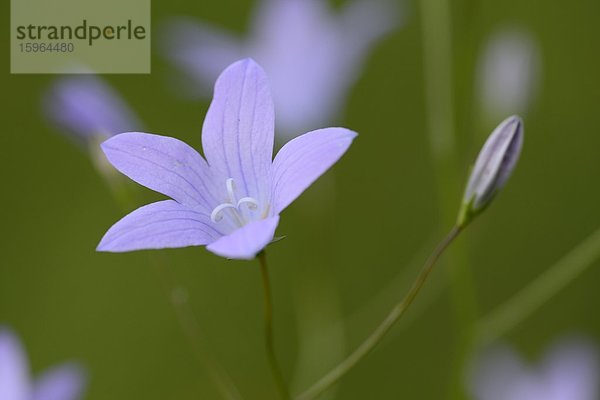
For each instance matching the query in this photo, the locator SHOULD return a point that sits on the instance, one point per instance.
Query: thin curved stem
(533, 296)
(378, 334)
(275, 368)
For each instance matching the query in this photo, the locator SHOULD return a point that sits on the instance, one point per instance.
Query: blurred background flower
(86, 107)
(311, 53)
(65, 382)
(569, 370)
(508, 72)
(89, 110)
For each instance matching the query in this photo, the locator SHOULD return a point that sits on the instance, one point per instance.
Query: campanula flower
(494, 165)
(65, 382)
(311, 53)
(569, 371)
(232, 200)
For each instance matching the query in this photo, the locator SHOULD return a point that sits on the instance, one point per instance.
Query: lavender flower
(86, 107)
(569, 371)
(231, 202)
(494, 165)
(65, 382)
(311, 54)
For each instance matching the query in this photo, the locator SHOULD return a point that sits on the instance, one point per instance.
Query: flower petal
(62, 383)
(163, 164)
(165, 224)
(246, 242)
(302, 160)
(14, 371)
(238, 131)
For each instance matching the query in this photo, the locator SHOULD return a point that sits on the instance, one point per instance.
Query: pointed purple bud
(492, 168)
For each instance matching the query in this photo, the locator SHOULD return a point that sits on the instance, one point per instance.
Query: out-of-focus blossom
(311, 53)
(570, 370)
(232, 200)
(89, 111)
(493, 167)
(508, 73)
(86, 108)
(65, 382)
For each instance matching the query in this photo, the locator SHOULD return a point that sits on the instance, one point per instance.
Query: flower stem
(436, 25)
(533, 296)
(275, 368)
(378, 334)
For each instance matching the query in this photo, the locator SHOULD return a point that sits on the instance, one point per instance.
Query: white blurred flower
(569, 371)
(311, 53)
(508, 73)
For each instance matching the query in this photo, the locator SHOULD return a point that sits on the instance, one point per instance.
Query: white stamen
(251, 201)
(234, 205)
(217, 215)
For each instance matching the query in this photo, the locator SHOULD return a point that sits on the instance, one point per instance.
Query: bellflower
(231, 201)
(311, 53)
(65, 382)
(569, 371)
(493, 167)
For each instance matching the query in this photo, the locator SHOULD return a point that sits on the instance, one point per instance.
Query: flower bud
(492, 168)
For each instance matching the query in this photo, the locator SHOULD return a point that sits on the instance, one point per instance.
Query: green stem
(275, 368)
(532, 297)
(437, 64)
(395, 314)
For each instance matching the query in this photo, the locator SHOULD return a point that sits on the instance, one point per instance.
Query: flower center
(234, 207)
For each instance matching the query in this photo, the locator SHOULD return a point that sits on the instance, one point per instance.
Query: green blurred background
(370, 220)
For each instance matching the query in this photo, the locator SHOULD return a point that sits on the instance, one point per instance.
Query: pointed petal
(298, 43)
(238, 131)
(165, 224)
(246, 242)
(62, 383)
(164, 164)
(302, 160)
(14, 371)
